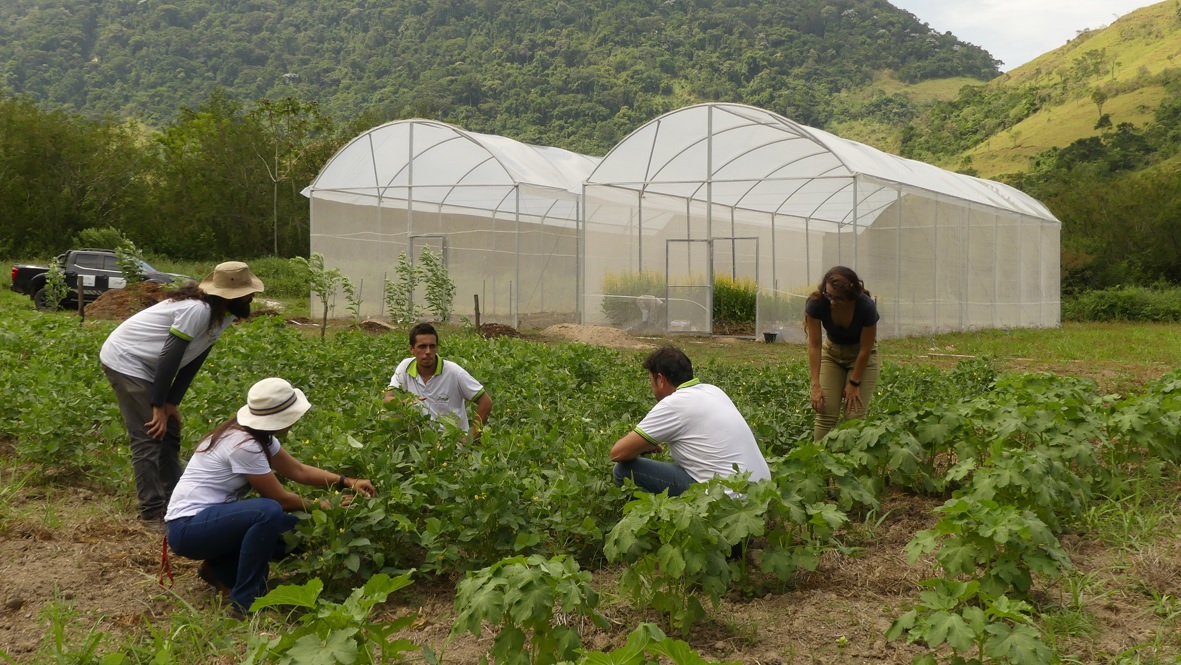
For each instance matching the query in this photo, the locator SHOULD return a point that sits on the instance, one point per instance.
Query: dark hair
(671, 363)
(218, 306)
(422, 329)
(262, 437)
(842, 280)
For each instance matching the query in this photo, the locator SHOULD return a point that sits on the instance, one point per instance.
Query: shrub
(320, 280)
(399, 292)
(734, 299)
(106, 237)
(131, 262)
(440, 288)
(283, 280)
(1125, 303)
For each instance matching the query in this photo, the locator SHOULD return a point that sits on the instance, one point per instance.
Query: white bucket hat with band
(230, 280)
(272, 404)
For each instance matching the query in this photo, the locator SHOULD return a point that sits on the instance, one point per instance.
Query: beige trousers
(836, 366)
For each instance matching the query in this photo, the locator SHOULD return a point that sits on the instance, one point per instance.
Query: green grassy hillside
(1129, 61)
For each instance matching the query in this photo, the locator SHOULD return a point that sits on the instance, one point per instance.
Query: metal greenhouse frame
(726, 191)
(503, 214)
(644, 237)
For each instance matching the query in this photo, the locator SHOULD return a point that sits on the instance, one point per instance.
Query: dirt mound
(376, 327)
(119, 304)
(597, 335)
(491, 330)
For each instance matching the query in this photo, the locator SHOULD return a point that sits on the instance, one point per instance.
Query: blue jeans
(238, 541)
(652, 476)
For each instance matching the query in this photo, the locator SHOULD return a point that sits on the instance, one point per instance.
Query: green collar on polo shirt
(412, 370)
(690, 382)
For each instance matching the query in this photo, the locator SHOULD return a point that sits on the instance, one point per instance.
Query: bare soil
(595, 335)
(108, 566)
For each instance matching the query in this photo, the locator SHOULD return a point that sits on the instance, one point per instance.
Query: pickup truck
(97, 268)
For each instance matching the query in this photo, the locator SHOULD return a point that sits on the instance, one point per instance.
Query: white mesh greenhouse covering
(503, 214)
(678, 212)
(723, 192)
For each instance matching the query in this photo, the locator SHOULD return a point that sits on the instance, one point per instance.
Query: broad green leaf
(339, 647)
(1020, 645)
(289, 594)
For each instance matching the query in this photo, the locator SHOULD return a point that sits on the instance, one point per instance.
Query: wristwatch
(855, 384)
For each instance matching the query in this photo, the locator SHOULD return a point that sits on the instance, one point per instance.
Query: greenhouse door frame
(689, 304)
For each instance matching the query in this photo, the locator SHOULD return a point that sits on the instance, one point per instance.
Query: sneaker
(205, 572)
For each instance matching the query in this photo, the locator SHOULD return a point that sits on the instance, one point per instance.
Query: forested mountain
(579, 75)
(192, 126)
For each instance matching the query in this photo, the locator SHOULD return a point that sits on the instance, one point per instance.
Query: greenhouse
(694, 206)
(723, 194)
(502, 214)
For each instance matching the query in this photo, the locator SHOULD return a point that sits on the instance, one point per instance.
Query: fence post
(81, 300)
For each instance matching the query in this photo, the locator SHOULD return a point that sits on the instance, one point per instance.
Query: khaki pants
(836, 366)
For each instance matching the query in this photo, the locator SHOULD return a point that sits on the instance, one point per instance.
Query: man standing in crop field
(151, 358)
(705, 434)
(439, 388)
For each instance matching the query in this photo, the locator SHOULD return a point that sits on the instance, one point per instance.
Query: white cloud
(1017, 31)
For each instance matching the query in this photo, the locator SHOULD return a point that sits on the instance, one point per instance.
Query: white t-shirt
(704, 432)
(447, 393)
(134, 347)
(218, 476)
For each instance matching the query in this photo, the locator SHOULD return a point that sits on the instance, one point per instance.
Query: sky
(1017, 31)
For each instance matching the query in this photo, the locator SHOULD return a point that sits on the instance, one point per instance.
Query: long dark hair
(262, 437)
(218, 306)
(842, 280)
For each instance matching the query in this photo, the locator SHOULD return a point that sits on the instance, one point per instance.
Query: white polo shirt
(134, 347)
(445, 395)
(704, 433)
(214, 477)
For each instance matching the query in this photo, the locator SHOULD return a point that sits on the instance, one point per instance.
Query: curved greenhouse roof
(433, 162)
(760, 161)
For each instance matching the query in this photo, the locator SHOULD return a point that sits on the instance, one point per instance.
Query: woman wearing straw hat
(237, 539)
(151, 358)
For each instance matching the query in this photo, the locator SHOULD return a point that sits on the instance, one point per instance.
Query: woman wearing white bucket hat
(151, 358)
(208, 519)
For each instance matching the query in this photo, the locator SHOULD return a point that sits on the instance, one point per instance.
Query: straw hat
(272, 404)
(230, 280)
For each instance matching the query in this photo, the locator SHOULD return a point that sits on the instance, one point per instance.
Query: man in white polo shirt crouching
(705, 434)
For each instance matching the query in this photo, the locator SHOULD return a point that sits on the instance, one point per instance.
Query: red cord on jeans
(165, 566)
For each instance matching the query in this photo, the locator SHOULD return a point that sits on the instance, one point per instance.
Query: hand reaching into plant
(359, 485)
